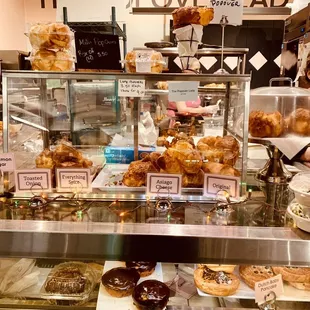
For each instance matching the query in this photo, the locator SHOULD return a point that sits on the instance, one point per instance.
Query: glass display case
(58, 245)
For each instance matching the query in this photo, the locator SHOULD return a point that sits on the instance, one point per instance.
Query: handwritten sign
(183, 91)
(159, 184)
(73, 180)
(265, 287)
(213, 184)
(97, 51)
(7, 162)
(232, 9)
(35, 180)
(131, 88)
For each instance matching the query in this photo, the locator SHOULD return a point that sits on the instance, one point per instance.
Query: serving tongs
(23, 121)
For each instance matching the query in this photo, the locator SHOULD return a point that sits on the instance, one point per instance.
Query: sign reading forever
(232, 9)
(36, 180)
(73, 180)
(97, 51)
(183, 91)
(159, 184)
(268, 287)
(7, 162)
(215, 183)
(131, 88)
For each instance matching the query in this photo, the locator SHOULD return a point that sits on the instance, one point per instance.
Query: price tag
(35, 180)
(7, 162)
(232, 9)
(131, 88)
(159, 184)
(73, 180)
(143, 61)
(263, 288)
(214, 183)
(183, 91)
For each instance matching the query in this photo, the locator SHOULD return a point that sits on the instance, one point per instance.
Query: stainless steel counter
(160, 242)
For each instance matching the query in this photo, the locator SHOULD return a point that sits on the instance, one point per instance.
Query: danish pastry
(252, 274)
(192, 15)
(216, 283)
(300, 286)
(264, 125)
(293, 274)
(224, 268)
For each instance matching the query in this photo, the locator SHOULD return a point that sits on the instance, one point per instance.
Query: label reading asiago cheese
(213, 184)
(159, 184)
(73, 180)
(36, 180)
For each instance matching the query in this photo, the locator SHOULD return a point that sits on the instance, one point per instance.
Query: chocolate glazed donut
(120, 282)
(145, 269)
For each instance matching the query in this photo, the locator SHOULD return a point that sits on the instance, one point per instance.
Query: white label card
(131, 88)
(159, 184)
(143, 61)
(214, 183)
(73, 180)
(35, 180)
(232, 9)
(265, 287)
(7, 162)
(183, 91)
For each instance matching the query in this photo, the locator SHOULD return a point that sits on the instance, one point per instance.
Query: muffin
(145, 269)
(151, 295)
(120, 282)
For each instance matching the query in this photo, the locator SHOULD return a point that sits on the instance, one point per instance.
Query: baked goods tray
(245, 292)
(106, 301)
(110, 178)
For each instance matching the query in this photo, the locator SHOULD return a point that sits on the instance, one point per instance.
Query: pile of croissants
(215, 155)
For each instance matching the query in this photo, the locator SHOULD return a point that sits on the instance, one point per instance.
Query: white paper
(73, 180)
(214, 183)
(263, 288)
(159, 184)
(131, 88)
(183, 91)
(289, 145)
(7, 162)
(35, 180)
(232, 9)
(143, 61)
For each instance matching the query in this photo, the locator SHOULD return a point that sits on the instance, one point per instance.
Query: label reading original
(159, 184)
(35, 180)
(131, 88)
(73, 180)
(183, 91)
(214, 183)
(265, 287)
(7, 162)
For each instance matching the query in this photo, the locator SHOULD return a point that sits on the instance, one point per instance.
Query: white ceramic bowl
(300, 185)
(301, 222)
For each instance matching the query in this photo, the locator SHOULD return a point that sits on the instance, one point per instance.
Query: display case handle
(281, 79)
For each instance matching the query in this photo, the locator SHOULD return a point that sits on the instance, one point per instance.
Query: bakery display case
(77, 120)
(115, 247)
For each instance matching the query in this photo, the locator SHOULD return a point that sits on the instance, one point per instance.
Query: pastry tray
(245, 292)
(89, 285)
(106, 301)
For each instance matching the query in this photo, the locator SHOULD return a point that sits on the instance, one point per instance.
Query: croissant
(193, 180)
(221, 169)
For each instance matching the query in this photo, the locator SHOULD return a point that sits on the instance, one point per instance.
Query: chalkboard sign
(97, 51)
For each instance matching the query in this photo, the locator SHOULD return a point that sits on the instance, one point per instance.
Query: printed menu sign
(97, 51)
(35, 180)
(7, 162)
(131, 88)
(214, 183)
(159, 184)
(231, 9)
(271, 286)
(183, 91)
(73, 180)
